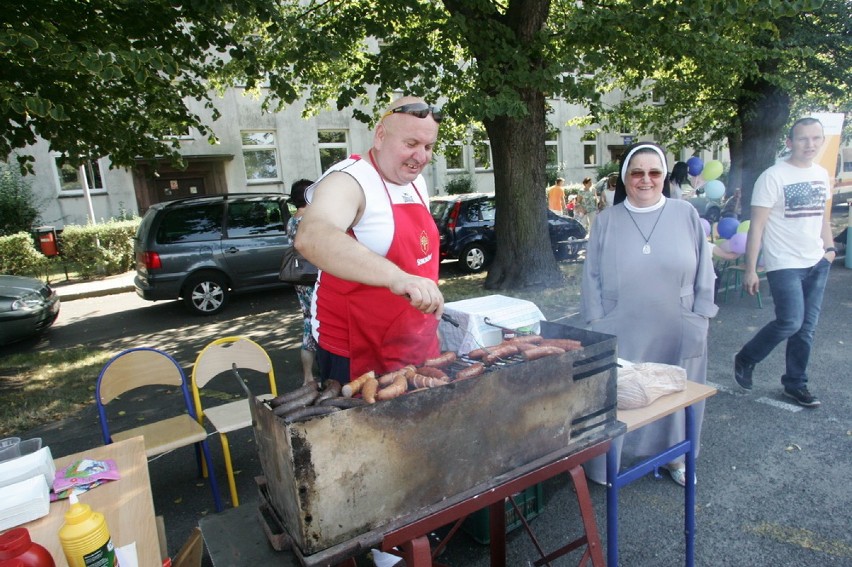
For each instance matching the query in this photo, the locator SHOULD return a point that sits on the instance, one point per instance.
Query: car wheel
(206, 293)
(474, 258)
(712, 215)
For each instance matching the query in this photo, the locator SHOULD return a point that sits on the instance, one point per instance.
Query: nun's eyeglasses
(638, 174)
(418, 109)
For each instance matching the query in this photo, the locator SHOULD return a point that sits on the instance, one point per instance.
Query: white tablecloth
(473, 332)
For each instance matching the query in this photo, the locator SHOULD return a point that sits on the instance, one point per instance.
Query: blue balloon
(714, 189)
(694, 165)
(727, 227)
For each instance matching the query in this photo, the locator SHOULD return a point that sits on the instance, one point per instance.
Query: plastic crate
(530, 502)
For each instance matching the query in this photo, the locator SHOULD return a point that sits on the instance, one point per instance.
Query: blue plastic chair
(139, 367)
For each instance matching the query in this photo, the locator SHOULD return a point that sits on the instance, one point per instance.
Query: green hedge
(100, 249)
(19, 256)
(93, 250)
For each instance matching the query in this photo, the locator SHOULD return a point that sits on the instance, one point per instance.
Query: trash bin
(47, 240)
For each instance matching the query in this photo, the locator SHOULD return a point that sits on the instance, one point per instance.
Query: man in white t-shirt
(790, 220)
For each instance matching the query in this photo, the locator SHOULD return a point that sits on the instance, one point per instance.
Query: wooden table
(634, 419)
(126, 504)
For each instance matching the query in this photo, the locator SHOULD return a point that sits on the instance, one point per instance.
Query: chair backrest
(220, 355)
(135, 368)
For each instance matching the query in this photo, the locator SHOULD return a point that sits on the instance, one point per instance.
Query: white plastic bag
(642, 383)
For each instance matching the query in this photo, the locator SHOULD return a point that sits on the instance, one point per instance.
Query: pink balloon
(706, 224)
(737, 243)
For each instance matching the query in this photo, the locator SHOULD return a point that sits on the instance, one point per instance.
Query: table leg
(587, 511)
(417, 552)
(611, 506)
(689, 496)
(497, 523)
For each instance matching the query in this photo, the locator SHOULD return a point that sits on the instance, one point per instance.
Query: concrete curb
(72, 295)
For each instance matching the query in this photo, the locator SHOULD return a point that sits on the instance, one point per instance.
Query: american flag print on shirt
(805, 199)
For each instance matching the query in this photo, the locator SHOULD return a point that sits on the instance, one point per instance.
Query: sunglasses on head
(418, 109)
(639, 174)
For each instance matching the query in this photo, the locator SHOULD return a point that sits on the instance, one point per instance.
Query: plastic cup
(28, 446)
(10, 448)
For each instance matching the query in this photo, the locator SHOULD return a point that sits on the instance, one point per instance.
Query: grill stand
(416, 549)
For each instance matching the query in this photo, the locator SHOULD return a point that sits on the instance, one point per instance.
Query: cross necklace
(647, 248)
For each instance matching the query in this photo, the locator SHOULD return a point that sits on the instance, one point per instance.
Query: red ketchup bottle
(16, 548)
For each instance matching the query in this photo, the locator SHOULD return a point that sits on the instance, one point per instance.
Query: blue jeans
(797, 294)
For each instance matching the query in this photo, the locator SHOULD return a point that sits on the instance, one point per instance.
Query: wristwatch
(831, 249)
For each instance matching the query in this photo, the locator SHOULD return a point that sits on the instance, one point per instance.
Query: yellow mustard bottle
(85, 537)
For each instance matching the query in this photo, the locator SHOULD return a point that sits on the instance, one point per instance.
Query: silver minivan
(202, 249)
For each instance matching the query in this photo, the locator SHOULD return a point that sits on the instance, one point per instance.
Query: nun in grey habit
(648, 279)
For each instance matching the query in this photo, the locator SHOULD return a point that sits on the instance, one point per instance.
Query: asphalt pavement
(773, 477)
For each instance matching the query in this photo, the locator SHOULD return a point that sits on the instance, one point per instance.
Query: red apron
(384, 331)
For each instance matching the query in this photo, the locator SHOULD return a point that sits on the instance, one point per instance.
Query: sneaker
(742, 372)
(802, 397)
(678, 474)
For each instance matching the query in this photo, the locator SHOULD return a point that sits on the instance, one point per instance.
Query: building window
(590, 149)
(69, 179)
(551, 149)
(333, 147)
(454, 154)
(481, 151)
(260, 156)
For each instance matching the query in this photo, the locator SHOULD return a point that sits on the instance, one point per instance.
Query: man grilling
(368, 228)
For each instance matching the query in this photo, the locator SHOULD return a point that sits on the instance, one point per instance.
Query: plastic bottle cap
(14, 542)
(78, 512)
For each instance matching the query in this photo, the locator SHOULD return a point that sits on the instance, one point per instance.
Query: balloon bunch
(733, 234)
(710, 171)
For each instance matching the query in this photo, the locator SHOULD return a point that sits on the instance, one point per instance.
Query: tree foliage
(732, 75)
(725, 70)
(111, 77)
(19, 209)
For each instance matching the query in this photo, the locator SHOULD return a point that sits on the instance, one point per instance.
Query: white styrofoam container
(24, 501)
(38, 463)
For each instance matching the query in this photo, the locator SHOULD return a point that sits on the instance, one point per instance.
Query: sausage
(525, 346)
(332, 390)
(355, 385)
(420, 381)
(445, 359)
(344, 403)
(433, 373)
(369, 389)
(306, 400)
(564, 344)
(300, 414)
(471, 371)
(290, 396)
(499, 352)
(477, 353)
(390, 377)
(527, 339)
(398, 388)
(542, 351)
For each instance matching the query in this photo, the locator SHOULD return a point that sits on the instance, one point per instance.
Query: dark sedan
(466, 226)
(27, 307)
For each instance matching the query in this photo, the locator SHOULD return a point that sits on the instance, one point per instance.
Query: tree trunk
(524, 256)
(763, 110)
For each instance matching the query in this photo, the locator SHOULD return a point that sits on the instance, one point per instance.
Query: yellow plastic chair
(141, 367)
(217, 358)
